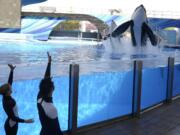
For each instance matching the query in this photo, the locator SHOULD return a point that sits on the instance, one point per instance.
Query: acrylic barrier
(103, 96)
(176, 82)
(154, 83)
(25, 94)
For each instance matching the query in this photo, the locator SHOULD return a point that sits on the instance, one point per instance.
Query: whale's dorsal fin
(146, 31)
(122, 28)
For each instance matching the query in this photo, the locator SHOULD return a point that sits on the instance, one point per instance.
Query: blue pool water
(154, 82)
(105, 85)
(103, 96)
(176, 86)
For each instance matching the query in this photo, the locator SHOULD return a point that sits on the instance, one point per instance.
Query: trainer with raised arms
(47, 111)
(10, 107)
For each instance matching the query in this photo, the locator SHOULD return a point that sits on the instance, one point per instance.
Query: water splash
(122, 48)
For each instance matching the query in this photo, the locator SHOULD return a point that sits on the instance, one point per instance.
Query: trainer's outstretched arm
(48, 69)
(10, 80)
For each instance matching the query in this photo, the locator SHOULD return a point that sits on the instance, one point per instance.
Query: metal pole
(98, 35)
(137, 84)
(73, 97)
(170, 78)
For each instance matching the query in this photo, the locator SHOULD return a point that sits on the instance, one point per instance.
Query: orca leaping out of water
(138, 27)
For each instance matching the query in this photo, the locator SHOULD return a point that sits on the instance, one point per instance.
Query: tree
(69, 25)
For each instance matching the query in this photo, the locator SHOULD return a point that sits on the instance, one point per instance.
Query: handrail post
(73, 98)
(170, 79)
(137, 86)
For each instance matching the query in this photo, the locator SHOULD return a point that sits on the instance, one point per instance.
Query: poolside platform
(163, 120)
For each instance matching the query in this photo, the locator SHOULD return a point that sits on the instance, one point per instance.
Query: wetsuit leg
(10, 130)
(43, 132)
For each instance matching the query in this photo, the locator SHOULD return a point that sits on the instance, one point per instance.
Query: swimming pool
(105, 85)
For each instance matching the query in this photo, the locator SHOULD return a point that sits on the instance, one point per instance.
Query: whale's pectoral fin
(147, 30)
(121, 29)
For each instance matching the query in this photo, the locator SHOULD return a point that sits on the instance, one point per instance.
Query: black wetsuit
(9, 105)
(47, 112)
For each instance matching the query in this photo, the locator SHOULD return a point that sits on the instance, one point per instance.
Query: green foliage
(68, 25)
(170, 28)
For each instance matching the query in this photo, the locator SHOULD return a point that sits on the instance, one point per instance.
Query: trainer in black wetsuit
(10, 107)
(47, 111)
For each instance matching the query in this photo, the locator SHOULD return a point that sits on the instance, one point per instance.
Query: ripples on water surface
(32, 57)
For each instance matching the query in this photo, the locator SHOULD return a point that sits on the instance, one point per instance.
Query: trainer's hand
(49, 57)
(29, 121)
(11, 67)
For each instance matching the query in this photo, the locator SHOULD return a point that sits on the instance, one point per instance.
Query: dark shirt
(47, 111)
(9, 105)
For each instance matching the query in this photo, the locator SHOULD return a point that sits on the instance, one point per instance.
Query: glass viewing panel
(105, 94)
(154, 82)
(176, 85)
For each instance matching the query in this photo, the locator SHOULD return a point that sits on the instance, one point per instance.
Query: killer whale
(139, 28)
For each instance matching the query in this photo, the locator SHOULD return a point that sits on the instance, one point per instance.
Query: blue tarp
(27, 2)
(164, 23)
(39, 27)
(157, 22)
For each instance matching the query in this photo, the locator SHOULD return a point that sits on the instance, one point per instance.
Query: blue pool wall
(104, 96)
(154, 84)
(176, 82)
